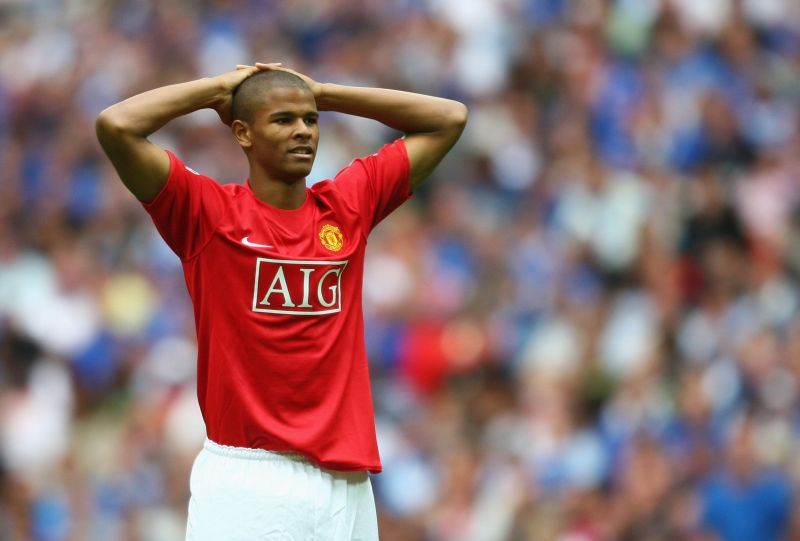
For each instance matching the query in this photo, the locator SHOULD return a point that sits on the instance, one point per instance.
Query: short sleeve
(187, 210)
(376, 185)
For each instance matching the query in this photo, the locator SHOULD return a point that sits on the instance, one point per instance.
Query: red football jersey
(277, 305)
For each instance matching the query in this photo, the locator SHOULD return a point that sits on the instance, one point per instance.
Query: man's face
(285, 132)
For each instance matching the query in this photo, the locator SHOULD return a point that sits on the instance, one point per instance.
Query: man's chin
(296, 174)
(300, 170)
(289, 172)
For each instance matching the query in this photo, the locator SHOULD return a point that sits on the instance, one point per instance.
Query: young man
(274, 270)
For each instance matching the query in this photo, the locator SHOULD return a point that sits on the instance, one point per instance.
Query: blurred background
(584, 327)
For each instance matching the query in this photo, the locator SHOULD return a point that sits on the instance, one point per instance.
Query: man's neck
(286, 195)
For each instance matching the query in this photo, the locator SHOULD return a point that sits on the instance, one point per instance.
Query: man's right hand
(229, 81)
(123, 128)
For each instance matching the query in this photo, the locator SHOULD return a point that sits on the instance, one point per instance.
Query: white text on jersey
(303, 288)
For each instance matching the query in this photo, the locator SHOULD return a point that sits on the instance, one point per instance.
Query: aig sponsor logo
(303, 288)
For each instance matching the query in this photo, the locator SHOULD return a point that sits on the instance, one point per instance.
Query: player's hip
(248, 494)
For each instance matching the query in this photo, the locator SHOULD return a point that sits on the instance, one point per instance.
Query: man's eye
(311, 121)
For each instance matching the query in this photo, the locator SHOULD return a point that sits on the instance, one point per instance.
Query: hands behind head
(230, 80)
(316, 88)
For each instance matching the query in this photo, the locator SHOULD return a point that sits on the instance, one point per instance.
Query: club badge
(331, 238)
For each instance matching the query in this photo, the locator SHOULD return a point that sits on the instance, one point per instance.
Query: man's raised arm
(123, 128)
(432, 125)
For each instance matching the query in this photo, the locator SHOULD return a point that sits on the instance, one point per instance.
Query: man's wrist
(219, 91)
(321, 93)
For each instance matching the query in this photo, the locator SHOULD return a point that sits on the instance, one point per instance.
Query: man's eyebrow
(314, 114)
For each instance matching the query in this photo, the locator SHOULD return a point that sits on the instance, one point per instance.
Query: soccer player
(274, 270)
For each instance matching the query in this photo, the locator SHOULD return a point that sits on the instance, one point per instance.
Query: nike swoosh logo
(247, 242)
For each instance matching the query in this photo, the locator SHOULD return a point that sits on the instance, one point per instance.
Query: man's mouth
(303, 151)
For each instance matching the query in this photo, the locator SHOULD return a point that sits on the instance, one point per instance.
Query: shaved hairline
(249, 95)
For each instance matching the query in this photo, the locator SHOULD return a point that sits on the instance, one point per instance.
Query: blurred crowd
(584, 327)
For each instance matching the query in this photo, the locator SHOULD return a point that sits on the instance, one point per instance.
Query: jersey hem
(258, 453)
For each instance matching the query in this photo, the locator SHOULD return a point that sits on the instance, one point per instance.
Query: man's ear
(241, 132)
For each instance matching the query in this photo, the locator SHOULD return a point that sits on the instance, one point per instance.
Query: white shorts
(242, 494)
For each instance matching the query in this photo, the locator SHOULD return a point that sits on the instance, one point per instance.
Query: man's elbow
(105, 123)
(109, 123)
(457, 115)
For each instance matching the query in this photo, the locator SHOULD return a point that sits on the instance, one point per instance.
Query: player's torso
(266, 262)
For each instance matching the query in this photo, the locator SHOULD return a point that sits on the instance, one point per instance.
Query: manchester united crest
(331, 238)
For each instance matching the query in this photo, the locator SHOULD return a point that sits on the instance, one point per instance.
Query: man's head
(275, 122)
(250, 95)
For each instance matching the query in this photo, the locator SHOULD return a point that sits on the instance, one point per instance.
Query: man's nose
(301, 129)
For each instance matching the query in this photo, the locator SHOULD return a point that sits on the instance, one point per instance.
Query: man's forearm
(403, 111)
(145, 113)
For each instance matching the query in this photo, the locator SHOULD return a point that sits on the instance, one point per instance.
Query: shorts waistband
(252, 454)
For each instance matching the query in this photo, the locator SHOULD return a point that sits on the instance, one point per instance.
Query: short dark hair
(249, 95)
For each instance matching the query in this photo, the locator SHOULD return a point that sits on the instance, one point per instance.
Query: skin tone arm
(123, 128)
(432, 125)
